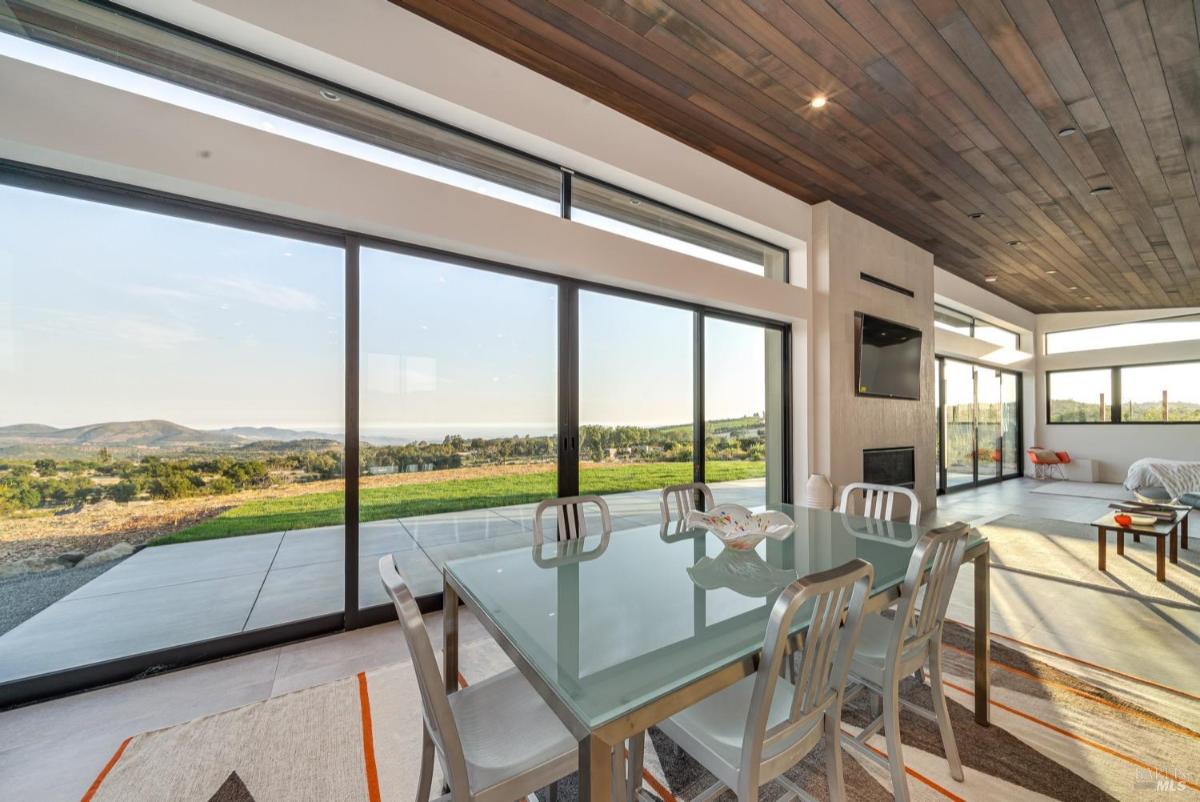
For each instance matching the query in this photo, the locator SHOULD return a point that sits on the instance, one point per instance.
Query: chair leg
(637, 751)
(553, 792)
(875, 704)
(891, 734)
(425, 780)
(833, 756)
(942, 711)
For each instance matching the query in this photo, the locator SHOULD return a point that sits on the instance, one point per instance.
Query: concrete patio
(182, 593)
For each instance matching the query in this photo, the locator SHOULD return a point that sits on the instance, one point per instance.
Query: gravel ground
(22, 597)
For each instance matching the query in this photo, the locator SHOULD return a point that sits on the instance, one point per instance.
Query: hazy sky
(113, 314)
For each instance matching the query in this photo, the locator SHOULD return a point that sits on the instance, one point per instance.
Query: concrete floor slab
(299, 592)
(160, 566)
(76, 632)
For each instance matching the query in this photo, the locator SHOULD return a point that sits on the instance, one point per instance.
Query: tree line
(45, 482)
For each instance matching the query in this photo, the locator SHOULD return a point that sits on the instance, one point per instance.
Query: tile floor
(52, 751)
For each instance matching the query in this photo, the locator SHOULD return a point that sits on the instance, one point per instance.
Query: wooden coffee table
(1165, 533)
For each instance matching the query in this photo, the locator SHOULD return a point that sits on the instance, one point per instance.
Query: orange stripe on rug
(1167, 725)
(663, 792)
(916, 774)
(1149, 682)
(1068, 734)
(112, 761)
(368, 736)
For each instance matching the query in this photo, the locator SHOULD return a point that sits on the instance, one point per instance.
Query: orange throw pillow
(1045, 456)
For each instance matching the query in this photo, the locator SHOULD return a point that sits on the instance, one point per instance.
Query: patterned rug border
(370, 766)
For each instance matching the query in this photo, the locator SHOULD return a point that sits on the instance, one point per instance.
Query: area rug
(1100, 490)
(1067, 551)
(1055, 735)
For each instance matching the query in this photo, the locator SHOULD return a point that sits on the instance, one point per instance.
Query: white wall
(1115, 447)
(843, 423)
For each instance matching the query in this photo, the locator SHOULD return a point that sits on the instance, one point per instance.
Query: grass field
(407, 500)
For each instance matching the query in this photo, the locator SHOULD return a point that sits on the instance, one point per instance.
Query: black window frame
(352, 616)
(939, 361)
(1115, 405)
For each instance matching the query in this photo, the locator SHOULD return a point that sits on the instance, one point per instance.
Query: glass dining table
(619, 631)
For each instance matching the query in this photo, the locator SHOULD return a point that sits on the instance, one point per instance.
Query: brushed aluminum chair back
(571, 521)
(435, 703)
(879, 501)
(682, 499)
(932, 570)
(750, 733)
(891, 649)
(471, 730)
(836, 598)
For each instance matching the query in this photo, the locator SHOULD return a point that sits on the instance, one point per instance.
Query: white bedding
(1142, 473)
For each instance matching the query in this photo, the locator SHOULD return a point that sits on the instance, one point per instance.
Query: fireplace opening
(890, 466)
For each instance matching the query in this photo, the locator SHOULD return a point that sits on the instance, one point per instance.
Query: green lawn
(403, 501)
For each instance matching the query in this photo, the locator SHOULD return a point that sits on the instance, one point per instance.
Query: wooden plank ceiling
(938, 111)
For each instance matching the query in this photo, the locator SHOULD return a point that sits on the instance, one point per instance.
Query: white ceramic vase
(818, 493)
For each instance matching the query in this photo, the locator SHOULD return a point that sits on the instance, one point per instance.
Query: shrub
(220, 486)
(123, 491)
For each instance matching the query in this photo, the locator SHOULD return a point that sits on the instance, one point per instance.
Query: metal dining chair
(892, 648)
(472, 730)
(572, 522)
(750, 733)
(569, 552)
(683, 499)
(879, 500)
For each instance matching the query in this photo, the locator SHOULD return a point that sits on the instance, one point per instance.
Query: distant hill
(275, 433)
(26, 429)
(158, 433)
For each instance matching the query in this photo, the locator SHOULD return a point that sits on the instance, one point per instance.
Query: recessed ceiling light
(1087, 297)
(1067, 131)
(635, 202)
(1072, 287)
(819, 102)
(1051, 272)
(1101, 190)
(975, 215)
(329, 94)
(1013, 242)
(990, 279)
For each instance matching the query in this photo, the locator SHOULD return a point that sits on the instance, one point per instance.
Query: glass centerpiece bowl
(740, 528)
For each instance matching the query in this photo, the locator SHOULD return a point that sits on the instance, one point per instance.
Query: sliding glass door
(989, 439)
(458, 409)
(958, 424)
(743, 410)
(171, 424)
(979, 432)
(635, 401)
(214, 423)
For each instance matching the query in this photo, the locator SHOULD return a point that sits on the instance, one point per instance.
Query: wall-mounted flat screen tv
(887, 358)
